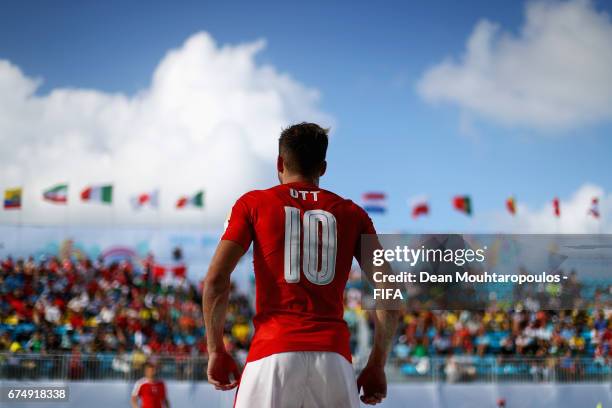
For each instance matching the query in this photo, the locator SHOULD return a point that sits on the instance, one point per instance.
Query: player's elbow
(216, 283)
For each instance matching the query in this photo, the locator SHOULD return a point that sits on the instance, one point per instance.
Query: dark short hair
(303, 148)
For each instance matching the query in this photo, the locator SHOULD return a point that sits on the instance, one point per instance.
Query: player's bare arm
(372, 379)
(222, 371)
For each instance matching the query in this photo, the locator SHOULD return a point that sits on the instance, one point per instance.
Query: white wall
(184, 395)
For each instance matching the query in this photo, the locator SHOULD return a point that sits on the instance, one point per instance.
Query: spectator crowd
(84, 306)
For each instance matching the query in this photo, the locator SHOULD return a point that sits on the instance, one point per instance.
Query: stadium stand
(104, 321)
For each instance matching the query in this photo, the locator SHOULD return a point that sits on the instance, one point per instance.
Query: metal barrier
(470, 368)
(455, 369)
(92, 367)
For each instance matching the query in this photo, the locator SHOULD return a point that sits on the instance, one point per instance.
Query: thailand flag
(374, 203)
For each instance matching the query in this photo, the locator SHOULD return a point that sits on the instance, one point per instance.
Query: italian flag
(99, 194)
(196, 200)
(57, 194)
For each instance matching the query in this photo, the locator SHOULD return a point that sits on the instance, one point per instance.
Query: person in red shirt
(304, 240)
(149, 390)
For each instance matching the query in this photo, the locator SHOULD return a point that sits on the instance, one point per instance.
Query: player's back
(304, 239)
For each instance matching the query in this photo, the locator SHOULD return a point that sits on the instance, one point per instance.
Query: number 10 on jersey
(315, 221)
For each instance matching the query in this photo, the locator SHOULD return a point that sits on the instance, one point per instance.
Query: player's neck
(297, 178)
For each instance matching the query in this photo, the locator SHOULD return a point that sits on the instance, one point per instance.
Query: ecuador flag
(12, 198)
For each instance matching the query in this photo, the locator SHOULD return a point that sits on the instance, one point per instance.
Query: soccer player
(304, 240)
(150, 390)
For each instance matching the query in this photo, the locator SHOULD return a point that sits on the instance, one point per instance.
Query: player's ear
(280, 164)
(323, 168)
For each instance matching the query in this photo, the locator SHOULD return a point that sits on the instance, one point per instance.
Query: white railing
(124, 367)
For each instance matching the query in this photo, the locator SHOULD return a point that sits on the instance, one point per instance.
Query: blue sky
(366, 60)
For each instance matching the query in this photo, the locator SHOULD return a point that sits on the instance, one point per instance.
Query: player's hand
(222, 371)
(374, 383)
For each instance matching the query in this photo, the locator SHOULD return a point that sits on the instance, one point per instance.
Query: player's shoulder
(251, 197)
(346, 204)
(138, 385)
(255, 196)
(142, 381)
(356, 208)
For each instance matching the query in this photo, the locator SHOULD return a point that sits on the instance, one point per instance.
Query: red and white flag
(150, 199)
(420, 209)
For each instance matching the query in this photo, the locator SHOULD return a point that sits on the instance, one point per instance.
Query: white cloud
(209, 119)
(554, 74)
(574, 217)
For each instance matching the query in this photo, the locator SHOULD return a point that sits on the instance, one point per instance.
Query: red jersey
(304, 240)
(151, 393)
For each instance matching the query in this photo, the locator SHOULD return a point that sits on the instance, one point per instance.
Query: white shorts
(303, 379)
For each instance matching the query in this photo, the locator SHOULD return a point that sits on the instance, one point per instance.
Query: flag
(419, 209)
(197, 200)
(374, 202)
(179, 271)
(57, 194)
(594, 210)
(159, 271)
(149, 198)
(556, 207)
(12, 198)
(511, 205)
(463, 204)
(100, 194)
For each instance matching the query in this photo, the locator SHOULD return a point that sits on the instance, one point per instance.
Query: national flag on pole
(149, 198)
(556, 207)
(12, 198)
(419, 209)
(463, 204)
(57, 194)
(594, 210)
(374, 202)
(99, 194)
(511, 205)
(196, 200)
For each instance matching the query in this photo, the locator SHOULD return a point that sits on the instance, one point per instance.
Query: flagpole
(20, 219)
(557, 213)
(156, 207)
(159, 212)
(112, 204)
(67, 215)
